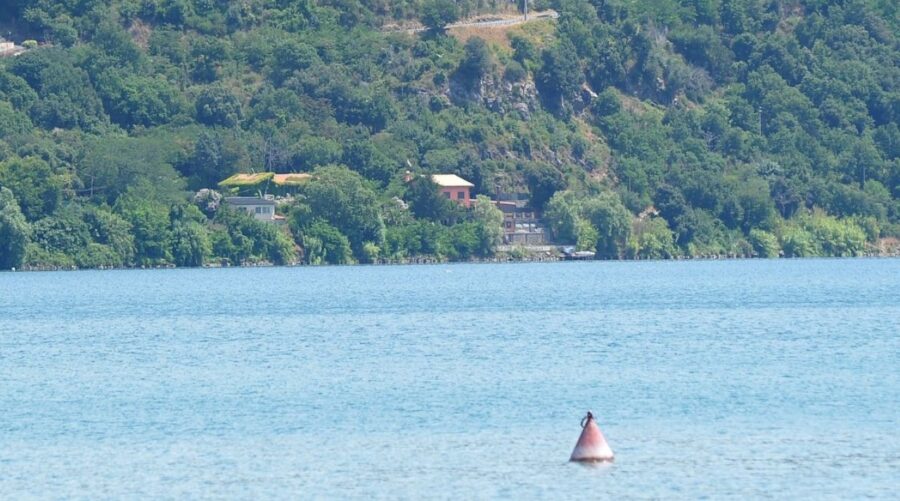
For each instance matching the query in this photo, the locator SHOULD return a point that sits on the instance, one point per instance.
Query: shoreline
(433, 262)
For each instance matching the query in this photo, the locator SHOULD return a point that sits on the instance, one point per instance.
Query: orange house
(455, 188)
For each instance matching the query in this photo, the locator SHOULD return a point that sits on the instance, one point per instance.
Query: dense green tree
(477, 61)
(65, 233)
(217, 154)
(342, 198)
(463, 241)
(524, 49)
(415, 239)
(276, 245)
(586, 236)
(12, 121)
(112, 231)
(116, 47)
(323, 243)
(490, 225)
(16, 90)
(315, 152)
(515, 72)
(795, 241)
(369, 160)
(764, 243)
(543, 181)
(168, 43)
(66, 97)
(207, 54)
(246, 239)
(651, 239)
(703, 47)
(562, 216)
(94, 255)
(835, 237)
(290, 56)
(607, 103)
(671, 202)
(613, 223)
(560, 73)
(151, 228)
(114, 164)
(190, 244)
(437, 14)
(229, 241)
(132, 100)
(752, 205)
(217, 105)
(699, 232)
(14, 231)
(426, 200)
(37, 189)
(230, 247)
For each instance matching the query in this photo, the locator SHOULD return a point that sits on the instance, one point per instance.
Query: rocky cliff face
(502, 96)
(496, 94)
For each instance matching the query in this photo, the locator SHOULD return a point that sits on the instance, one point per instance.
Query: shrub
(515, 72)
(764, 243)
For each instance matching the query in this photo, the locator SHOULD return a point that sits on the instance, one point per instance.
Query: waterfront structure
(522, 223)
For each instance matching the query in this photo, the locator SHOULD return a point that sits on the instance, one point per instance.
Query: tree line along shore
(635, 130)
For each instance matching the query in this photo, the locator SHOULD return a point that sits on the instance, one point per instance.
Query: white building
(9, 48)
(260, 208)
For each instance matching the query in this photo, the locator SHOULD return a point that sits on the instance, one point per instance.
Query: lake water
(721, 379)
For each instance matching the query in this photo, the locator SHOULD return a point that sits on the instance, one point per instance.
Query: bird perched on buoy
(591, 446)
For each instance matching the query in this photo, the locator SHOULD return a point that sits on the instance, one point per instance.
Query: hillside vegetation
(641, 128)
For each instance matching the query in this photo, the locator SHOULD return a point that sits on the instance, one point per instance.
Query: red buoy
(591, 446)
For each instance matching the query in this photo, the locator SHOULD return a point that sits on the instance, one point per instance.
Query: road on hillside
(536, 16)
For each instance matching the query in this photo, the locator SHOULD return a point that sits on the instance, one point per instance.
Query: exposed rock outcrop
(496, 94)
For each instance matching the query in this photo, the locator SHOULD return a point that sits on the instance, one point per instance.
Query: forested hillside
(641, 128)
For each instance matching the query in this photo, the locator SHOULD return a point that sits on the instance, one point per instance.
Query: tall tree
(490, 225)
(37, 188)
(14, 231)
(342, 198)
(437, 14)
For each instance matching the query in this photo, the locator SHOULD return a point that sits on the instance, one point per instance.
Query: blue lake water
(709, 379)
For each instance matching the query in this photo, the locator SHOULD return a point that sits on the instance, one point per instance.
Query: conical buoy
(591, 446)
